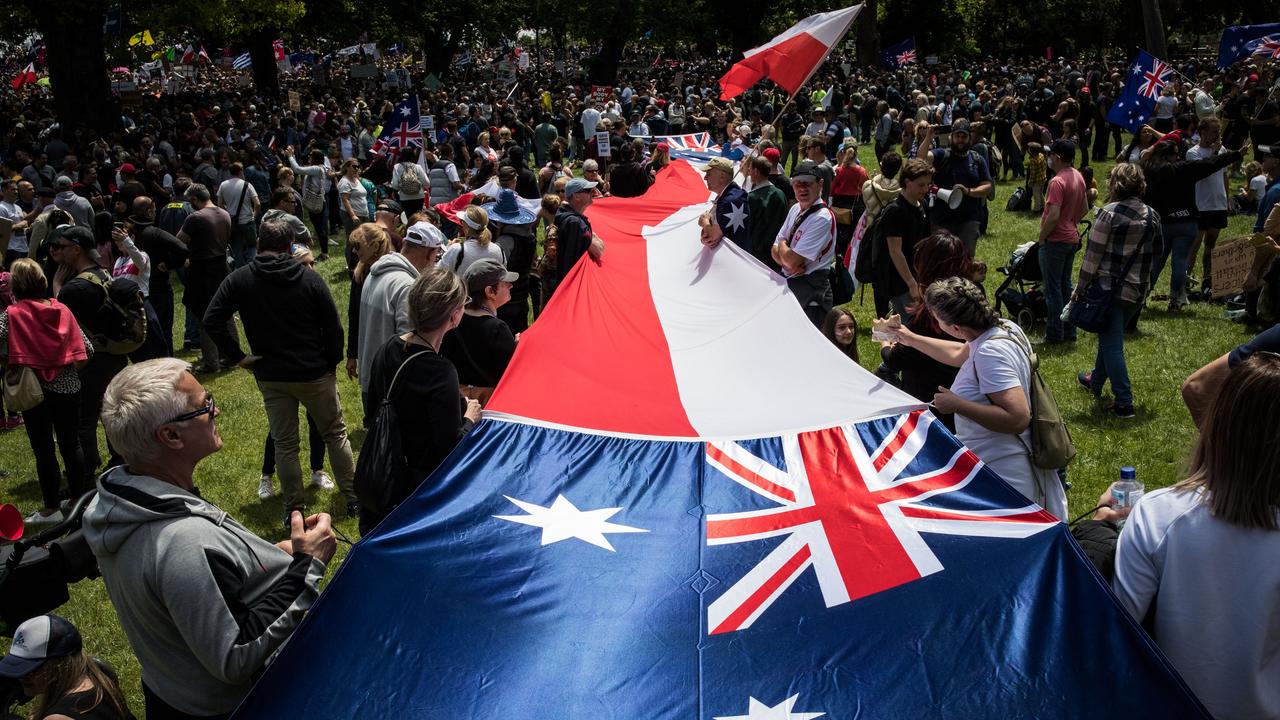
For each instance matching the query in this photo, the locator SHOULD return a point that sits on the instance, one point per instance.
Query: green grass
(1163, 353)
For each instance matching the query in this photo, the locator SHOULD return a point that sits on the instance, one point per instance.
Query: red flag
(790, 58)
(26, 77)
(278, 47)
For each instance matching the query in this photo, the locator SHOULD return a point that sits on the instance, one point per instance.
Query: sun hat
(507, 210)
(37, 641)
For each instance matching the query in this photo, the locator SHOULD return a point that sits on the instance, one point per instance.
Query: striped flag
(242, 63)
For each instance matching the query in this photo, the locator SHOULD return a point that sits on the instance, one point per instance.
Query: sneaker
(320, 480)
(37, 518)
(1120, 410)
(13, 422)
(353, 509)
(264, 487)
(1086, 381)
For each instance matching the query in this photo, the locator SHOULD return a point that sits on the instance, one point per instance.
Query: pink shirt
(1067, 191)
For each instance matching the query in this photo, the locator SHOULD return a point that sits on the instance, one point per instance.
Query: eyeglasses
(209, 408)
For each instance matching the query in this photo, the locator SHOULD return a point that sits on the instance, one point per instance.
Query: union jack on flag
(694, 147)
(1267, 46)
(1153, 80)
(907, 57)
(401, 128)
(850, 499)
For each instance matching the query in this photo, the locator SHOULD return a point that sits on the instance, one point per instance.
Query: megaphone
(10, 523)
(951, 196)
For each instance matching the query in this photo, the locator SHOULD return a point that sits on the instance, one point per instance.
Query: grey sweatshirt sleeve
(228, 618)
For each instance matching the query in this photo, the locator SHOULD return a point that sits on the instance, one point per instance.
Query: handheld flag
(1137, 102)
(401, 128)
(1235, 42)
(790, 58)
(903, 53)
(698, 509)
(277, 47)
(1266, 47)
(142, 38)
(26, 77)
(242, 62)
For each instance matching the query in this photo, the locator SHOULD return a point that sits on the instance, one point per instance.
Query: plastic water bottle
(1128, 490)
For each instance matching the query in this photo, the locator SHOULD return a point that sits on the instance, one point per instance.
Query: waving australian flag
(895, 56)
(1241, 41)
(401, 128)
(1137, 102)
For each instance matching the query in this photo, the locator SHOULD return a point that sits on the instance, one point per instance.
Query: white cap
(424, 234)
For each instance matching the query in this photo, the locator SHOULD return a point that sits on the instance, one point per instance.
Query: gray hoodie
(204, 601)
(384, 307)
(78, 208)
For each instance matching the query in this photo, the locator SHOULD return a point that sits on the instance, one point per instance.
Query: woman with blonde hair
(484, 150)
(53, 666)
(352, 195)
(475, 244)
(1191, 562)
(42, 334)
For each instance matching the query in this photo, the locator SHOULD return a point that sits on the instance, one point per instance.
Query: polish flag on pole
(26, 77)
(793, 56)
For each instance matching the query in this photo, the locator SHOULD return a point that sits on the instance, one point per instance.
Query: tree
(76, 59)
(1153, 26)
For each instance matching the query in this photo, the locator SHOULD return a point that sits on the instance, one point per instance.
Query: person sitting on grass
(47, 658)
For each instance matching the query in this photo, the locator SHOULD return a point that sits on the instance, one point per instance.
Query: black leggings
(314, 439)
(59, 414)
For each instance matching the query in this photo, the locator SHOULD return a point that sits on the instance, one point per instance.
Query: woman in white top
(355, 204)
(406, 174)
(314, 189)
(991, 393)
(1198, 560)
(134, 263)
(483, 149)
(475, 244)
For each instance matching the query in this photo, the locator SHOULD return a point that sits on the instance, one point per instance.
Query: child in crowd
(1246, 201)
(1091, 187)
(1037, 175)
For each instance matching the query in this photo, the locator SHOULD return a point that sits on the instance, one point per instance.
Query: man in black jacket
(292, 325)
(573, 229)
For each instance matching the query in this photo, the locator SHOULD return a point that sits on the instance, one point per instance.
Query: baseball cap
(772, 154)
(38, 640)
(127, 169)
(484, 273)
(62, 183)
(75, 235)
(1065, 149)
(578, 185)
(960, 126)
(390, 206)
(424, 234)
(722, 164)
(806, 171)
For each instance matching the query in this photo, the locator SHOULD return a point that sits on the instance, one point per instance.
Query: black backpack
(382, 474)
(864, 265)
(120, 325)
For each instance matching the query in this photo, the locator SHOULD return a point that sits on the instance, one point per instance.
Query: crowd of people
(453, 246)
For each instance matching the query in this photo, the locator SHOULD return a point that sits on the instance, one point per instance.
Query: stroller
(1020, 292)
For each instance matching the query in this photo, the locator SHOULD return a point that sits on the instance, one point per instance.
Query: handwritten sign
(602, 145)
(1232, 261)
(599, 93)
(295, 101)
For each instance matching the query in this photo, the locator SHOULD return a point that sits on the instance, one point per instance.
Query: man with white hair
(203, 600)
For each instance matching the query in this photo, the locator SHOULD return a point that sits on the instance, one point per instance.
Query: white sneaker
(320, 480)
(264, 487)
(36, 518)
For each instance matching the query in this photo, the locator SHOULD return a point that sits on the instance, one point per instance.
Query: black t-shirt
(899, 219)
(82, 706)
(480, 348)
(427, 400)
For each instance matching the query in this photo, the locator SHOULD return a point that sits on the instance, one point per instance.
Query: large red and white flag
(790, 58)
(26, 77)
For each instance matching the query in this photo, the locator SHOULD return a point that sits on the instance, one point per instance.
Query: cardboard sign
(930, 59)
(506, 73)
(432, 82)
(1232, 261)
(360, 72)
(295, 101)
(602, 144)
(428, 123)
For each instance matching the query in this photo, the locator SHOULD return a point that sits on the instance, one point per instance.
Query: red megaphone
(10, 523)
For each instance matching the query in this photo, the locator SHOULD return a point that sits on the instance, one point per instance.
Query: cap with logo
(424, 234)
(722, 164)
(38, 640)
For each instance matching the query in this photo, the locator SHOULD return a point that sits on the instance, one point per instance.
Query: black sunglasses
(208, 409)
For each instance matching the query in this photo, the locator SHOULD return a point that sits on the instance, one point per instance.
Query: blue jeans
(1178, 238)
(1110, 364)
(1056, 259)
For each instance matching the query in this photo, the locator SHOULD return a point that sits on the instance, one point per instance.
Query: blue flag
(895, 56)
(1236, 42)
(1137, 101)
(644, 527)
(401, 128)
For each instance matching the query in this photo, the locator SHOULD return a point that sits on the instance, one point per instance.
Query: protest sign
(602, 144)
(1232, 261)
(364, 71)
(295, 101)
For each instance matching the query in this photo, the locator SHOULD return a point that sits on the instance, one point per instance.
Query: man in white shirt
(1211, 197)
(818, 127)
(806, 244)
(16, 246)
(240, 200)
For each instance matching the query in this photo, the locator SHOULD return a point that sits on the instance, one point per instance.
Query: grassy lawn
(1165, 350)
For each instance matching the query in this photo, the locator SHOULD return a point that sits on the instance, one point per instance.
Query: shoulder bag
(1051, 445)
(1090, 311)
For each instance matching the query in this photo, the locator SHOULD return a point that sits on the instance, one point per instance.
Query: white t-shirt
(996, 365)
(817, 128)
(398, 173)
(18, 240)
(1211, 192)
(814, 240)
(134, 264)
(1215, 588)
(229, 195)
(356, 193)
(590, 118)
(471, 252)
(1166, 106)
(1258, 186)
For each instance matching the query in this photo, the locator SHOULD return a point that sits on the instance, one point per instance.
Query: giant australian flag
(685, 504)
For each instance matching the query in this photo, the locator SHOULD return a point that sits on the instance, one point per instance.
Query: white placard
(602, 144)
